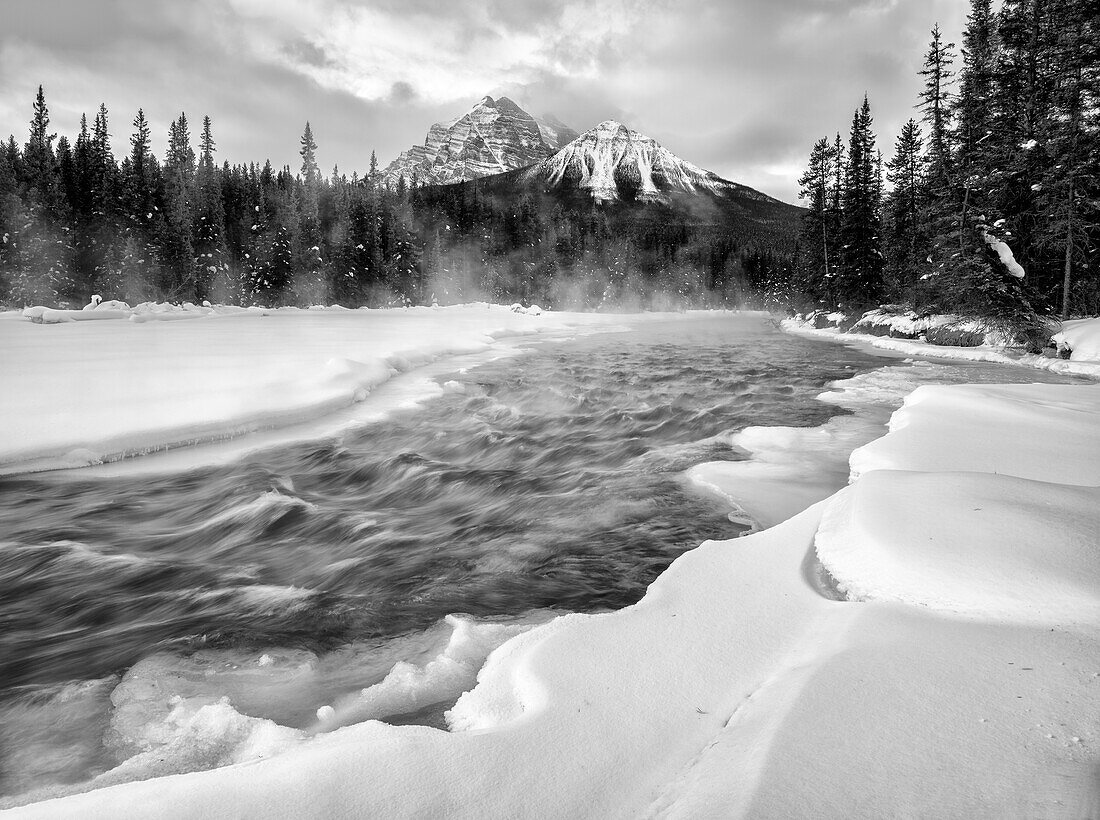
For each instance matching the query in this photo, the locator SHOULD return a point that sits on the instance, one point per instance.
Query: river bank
(958, 677)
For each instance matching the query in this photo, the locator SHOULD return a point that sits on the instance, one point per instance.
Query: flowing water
(537, 485)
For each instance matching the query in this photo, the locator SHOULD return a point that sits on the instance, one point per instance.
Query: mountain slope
(636, 184)
(612, 162)
(493, 137)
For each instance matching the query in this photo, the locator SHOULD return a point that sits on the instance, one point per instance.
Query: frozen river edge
(961, 679)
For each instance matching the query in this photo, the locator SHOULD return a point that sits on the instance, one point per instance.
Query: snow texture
(1080, 340)
(492, 137)
(157, 377)
(610, 155)
(958, 680)
(1083, 363)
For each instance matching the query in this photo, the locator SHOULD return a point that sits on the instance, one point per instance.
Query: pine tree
(905, 238)
(311, 173)
(972, 106)
(859, 282)
(935, 105)
(42, 272)
(138, 266)
(178, 233)
(209, 221)
(311, 284)
(1022, 109)
(12, 218)
(816, 239)
(39, 160)
(102, 166)
(1069, 192)
(834, 216)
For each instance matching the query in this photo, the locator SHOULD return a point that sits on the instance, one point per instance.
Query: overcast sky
(741, 87)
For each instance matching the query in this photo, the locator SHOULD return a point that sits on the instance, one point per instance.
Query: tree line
(1000, 171)
(75, 220)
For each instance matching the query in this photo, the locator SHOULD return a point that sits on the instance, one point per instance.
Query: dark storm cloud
(742, 87)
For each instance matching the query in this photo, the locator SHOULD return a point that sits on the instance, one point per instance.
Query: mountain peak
(613, 162)
(492, 137)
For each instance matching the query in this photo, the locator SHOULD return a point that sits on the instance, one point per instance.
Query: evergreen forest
(989, 204)
(996, 174)
(76, 221)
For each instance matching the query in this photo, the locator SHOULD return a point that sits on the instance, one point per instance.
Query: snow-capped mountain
(493, 137)
(612, 162)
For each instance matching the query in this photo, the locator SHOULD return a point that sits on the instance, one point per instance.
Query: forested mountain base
(74, 222)
(993, 207)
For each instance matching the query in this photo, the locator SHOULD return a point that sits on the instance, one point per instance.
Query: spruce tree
(972, 107)
(905, 237)
(311, 284)
(816, 240)
(139, 260)
(1069, 191)
(44, 259)
(178, 234)
(12, 218)
(311, 173)
(935, 105)
(1022, 111)
(39, 160)
(212, 270)
(859, 282)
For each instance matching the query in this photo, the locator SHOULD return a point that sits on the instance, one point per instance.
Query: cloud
(401, 92)
(305, 52)
(743, 87)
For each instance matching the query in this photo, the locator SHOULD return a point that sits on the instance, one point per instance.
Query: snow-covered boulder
(1078, 340)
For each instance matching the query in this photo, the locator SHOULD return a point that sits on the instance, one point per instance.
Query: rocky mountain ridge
(612, 162)
(493, 137)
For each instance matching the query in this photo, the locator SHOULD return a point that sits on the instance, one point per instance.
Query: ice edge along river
(960, 679)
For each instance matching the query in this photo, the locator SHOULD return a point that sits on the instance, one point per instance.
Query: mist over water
(533, 486)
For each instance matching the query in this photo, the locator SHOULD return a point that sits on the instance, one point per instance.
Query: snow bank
(791, 468)
(409, 687)
(907, 323)
(1085, 364)
(958, 680)
(1031, 549)
(1079, 339)
(1040, 432)
(83, 392)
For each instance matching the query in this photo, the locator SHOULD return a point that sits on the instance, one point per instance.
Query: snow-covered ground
(923, 643)
(1079, 337)
(80, 392)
